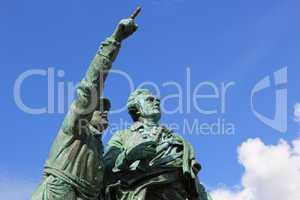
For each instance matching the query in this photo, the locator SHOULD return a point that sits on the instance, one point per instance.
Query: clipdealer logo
(279, 80)
(61, 93)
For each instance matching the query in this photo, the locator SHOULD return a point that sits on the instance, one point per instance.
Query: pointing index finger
(135, 12)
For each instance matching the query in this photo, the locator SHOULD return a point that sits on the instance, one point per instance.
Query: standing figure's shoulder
(118, 137)
(174, 134)
(168, 131)
(121, 133)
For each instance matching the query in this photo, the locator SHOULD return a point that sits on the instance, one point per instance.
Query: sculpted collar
(138, 125)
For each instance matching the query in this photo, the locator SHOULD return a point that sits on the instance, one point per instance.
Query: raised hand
(125, 28)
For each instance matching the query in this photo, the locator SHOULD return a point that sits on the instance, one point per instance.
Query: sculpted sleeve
(91, 86)
(114, 149)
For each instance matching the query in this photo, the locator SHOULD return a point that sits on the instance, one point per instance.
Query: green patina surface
(147, 161)
(74, 169)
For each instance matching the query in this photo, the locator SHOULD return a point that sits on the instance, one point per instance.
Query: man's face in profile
(100, 120)
(100, 117)
(149, 106)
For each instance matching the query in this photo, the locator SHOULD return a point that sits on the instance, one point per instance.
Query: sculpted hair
(133, 104)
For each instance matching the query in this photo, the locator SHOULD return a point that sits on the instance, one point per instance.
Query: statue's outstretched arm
(91, 86)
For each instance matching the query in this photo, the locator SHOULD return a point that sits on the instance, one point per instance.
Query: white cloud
(12, 188)
(272, 172)
(297, 112)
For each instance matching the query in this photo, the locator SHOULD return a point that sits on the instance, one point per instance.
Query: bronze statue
(74, 169)
(145, 162)
(148, 160)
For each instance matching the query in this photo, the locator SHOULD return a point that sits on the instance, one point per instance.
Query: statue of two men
(146, 161)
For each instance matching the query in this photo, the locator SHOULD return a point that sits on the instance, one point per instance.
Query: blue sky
(218, 41)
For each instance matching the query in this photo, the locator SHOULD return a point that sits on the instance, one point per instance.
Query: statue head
(99, 119)
(142, 104)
